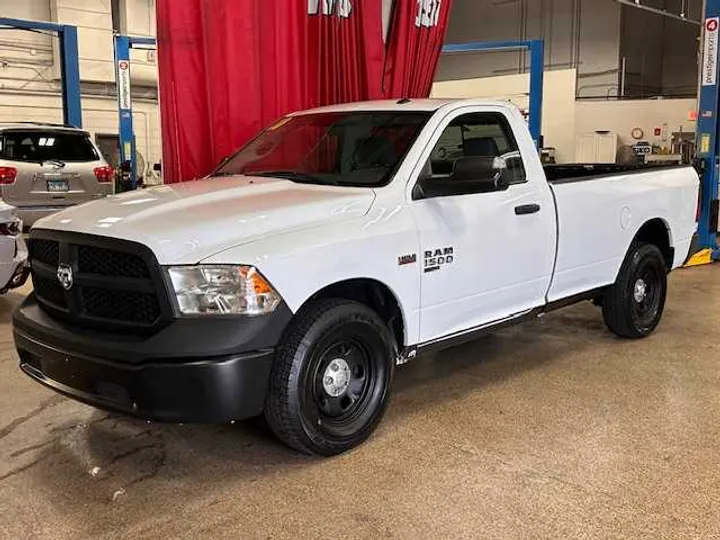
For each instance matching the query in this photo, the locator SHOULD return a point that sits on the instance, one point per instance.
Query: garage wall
(578, 34)
(94, 21)
(622, 116)
(25, 57)
(139, 20)
(564, 117)
(558, 104)
(659, 51)
(29, 67)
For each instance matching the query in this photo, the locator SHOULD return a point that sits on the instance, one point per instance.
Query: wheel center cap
(336, 378)
(640, 291)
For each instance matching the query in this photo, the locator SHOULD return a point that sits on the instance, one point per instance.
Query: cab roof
(418, 105)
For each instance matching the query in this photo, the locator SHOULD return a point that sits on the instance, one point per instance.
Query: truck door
(485, 254)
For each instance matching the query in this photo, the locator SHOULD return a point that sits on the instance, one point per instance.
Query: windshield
(339, 148)
(40, 146)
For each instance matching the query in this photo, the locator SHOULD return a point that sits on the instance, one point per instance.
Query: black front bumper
(193, 370)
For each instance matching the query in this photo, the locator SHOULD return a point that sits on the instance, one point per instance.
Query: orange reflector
(259, 284)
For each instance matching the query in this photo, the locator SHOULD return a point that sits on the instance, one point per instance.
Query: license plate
(55, 186)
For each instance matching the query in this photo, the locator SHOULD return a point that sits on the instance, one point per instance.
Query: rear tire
(331, 377)
(633, 306)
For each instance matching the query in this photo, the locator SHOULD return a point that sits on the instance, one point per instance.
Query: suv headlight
(222, 290)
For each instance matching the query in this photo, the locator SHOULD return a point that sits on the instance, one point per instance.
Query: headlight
(222, 290)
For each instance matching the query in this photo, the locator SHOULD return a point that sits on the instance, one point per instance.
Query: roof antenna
(403, 101)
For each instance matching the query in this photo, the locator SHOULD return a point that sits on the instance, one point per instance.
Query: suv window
(477, 135)
(18, 145)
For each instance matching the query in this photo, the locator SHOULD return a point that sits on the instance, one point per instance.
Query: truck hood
(188, 222)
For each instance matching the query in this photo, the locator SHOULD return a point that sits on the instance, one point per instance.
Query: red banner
(415, 41)
(228, 69)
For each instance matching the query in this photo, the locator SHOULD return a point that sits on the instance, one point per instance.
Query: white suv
(45, 168)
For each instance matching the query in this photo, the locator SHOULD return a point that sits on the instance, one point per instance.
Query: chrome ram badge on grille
(65, 276)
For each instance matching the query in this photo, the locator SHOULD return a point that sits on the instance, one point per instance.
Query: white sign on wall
(124, 98)
(710, 52)
(428, 13)
(341, 8)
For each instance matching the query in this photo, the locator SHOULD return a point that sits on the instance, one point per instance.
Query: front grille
(117, 285)
(121, 305)
(50, 291)
(46, 251)
(107, 262)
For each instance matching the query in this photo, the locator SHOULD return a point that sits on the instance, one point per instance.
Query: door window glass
(477, 135)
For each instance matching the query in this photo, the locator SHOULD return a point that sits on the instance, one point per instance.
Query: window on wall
(660, 59)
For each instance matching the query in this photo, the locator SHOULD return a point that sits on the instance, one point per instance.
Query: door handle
(527, 209)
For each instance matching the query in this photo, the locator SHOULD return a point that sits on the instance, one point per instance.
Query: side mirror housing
(470, 175)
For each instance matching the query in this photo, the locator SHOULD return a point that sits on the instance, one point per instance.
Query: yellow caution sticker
(705, 143)
(700, 258)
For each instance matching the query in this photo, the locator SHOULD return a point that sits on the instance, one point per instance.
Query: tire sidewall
(641, 255)
(305, 357)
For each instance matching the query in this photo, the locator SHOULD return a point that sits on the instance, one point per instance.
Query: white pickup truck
(339, 243)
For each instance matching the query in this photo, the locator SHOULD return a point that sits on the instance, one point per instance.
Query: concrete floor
(550, 430)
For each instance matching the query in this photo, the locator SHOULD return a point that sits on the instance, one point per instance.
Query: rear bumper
(30, 214)
(191, 371)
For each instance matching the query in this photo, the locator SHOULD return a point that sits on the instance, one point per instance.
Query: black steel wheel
(331, 378)
(633, 306)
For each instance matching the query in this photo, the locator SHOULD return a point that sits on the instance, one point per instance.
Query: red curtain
(230, 68)
(416, 37)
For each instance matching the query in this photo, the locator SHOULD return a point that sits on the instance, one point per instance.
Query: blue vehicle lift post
(69, 63)
(123, 44)
(537, 73)
(708, 132)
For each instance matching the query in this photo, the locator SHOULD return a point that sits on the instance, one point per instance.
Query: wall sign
(341, 8)
(124, 99)
(428, 13)
(710, 52)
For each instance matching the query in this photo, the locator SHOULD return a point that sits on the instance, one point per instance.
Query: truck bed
(598, 219)
(575, 172)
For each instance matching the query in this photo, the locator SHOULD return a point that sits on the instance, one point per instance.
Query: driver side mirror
(470, 175)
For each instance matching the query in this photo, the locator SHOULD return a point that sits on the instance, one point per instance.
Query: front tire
(331, 377)
(633, 306)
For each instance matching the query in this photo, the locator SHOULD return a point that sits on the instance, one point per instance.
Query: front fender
(301, 263)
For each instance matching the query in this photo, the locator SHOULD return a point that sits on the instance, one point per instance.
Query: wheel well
(656, 232)
(375, 295)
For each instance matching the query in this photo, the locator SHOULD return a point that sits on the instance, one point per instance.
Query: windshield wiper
(303, 178)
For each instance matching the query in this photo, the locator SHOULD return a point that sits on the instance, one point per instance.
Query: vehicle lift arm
(123, 44)
(708, 132)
